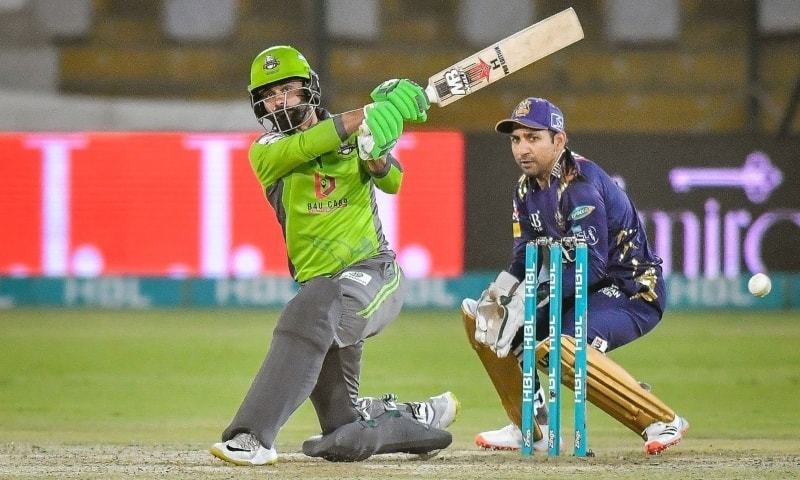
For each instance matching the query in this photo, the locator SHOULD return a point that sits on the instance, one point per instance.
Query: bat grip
(430, 92)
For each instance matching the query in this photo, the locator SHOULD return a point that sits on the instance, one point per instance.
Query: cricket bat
(504, 57)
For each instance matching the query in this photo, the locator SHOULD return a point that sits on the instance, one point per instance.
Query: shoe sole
(658, 448)
(428, 455)
(221, 455)
(479, 441)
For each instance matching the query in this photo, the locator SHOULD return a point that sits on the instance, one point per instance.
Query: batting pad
(505, 374)
(609, 386)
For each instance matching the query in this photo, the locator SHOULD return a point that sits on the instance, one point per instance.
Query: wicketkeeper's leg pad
(609, 386)
(504, 373)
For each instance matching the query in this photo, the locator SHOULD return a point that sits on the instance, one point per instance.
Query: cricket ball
(759, 285)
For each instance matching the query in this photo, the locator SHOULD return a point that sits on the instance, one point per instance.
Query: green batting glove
(384, 124)
(367, 149)
(407, 96)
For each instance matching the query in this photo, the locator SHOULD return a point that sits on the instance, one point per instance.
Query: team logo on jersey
(536, 221)
(580, 212)
(589, 236)
(612, 291)
(270, 62)
(346, 149)
(560, 220)
(270, 138)
(522, 186)
(324, 185)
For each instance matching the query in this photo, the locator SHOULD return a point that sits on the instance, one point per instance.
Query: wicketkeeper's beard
(288, 119)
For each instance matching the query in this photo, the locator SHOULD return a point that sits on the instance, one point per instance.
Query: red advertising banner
(187, 204)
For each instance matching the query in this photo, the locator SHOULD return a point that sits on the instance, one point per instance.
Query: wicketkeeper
(562, 194)
(318, 172)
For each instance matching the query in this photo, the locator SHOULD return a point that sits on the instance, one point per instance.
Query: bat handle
(430, 92)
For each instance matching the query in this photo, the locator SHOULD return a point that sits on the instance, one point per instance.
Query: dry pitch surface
(128, 461)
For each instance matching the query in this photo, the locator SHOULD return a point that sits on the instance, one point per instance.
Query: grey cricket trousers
(316, 349)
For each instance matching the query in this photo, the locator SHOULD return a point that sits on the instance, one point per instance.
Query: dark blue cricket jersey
(583, 201)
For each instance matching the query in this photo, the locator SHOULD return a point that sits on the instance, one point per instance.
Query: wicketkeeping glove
(379, 131)
(500, 313)
(407, 96)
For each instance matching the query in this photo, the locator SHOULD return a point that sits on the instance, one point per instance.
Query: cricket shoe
(660, 436)
(510, 438)
(438, 412)
(244, 449)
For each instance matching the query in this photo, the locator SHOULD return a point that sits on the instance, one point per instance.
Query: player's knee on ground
(391, 432)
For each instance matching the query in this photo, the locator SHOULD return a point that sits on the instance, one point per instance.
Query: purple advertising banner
(714, 206)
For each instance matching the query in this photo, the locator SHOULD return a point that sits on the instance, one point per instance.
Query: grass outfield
(113, 394)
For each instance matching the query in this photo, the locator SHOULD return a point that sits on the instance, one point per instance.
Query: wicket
(555, 248)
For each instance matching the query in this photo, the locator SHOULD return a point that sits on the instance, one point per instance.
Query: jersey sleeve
(274, 155)
(523, 233)
(584, 213)
(390, 178)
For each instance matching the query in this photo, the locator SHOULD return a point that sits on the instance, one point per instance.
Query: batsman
(319, 172)
(562, 194)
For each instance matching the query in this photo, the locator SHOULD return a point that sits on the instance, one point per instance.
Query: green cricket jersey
(323, 196)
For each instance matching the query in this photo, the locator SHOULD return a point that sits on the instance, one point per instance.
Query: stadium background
(655, 87)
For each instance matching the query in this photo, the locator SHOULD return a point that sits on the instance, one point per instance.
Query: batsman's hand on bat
(407, 96)
(500, 313)
(380, 130)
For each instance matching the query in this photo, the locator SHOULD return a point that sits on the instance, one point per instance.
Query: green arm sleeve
(390, 178)
(275, 155)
